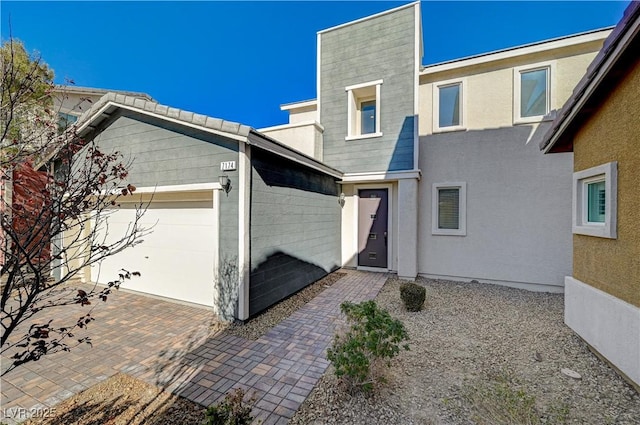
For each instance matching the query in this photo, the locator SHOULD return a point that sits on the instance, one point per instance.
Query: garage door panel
(176, 259)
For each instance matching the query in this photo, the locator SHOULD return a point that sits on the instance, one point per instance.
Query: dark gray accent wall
(164, 153)
(295, 228)
(378, 48)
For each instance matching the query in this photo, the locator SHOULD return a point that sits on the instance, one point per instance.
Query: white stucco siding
(610, 325)
(489, 88)
(303, 115)
(518, 214)
(305, 137)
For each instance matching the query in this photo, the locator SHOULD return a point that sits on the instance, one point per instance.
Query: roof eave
(267, 143)
(558, 137)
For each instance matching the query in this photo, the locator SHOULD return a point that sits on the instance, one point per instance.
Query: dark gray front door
(372, 227)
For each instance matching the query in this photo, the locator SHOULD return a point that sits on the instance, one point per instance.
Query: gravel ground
(469, 343)
(466, 339)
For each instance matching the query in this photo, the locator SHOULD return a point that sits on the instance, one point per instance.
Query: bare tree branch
(56, 223)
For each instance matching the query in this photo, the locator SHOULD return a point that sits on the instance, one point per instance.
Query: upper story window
(595, 201)
(532, 93)
(65, 120)
(363, 110)
(448, 105)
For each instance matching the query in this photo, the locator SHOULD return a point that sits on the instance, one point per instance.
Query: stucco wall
(295, 228)
(299, 115)
(612, 133)
(166, 154)
(489, 88)
(518, 218)
(381, 48)
(305, 137)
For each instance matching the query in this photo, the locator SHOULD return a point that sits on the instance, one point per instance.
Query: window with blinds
(595, 201)
(449, 208)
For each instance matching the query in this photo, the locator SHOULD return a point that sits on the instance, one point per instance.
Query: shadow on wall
(402, 156)
(289, 174)
(280, 276)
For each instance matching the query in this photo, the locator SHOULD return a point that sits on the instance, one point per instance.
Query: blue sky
(241, 60)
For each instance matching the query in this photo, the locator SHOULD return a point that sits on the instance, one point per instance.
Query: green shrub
(412, 295)
(374, 336)
(231, 411)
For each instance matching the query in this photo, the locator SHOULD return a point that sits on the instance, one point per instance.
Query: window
(533, 93)
(595, 201)
(368, 117)
(532, 96)
(364, 110)
(448, 106)
(65, 120)
(449, 204)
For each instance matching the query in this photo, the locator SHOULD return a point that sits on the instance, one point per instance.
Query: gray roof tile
(230, 127)
(186, 116)
(199, 119)
(167, 111)
(215, 123)
(173, 113)
(150, 106)
(162, 109)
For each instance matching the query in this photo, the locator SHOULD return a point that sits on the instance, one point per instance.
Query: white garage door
(176, 260)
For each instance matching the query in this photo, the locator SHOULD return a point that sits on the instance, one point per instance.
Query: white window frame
(462, 82)
(517, 91)
(462, 209)
(355, 96)
(580, 224)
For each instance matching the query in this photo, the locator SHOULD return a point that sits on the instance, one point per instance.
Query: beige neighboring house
(69, 103)
(600, 124)
(72, 101)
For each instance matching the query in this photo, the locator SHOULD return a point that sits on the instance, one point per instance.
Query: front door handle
(385, 238)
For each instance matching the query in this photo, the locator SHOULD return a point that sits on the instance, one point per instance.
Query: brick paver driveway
(171, 345)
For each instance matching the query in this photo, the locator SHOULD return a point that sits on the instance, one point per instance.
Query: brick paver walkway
(171, 345)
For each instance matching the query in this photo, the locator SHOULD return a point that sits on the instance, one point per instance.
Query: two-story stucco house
(431, 171)
(442, 174)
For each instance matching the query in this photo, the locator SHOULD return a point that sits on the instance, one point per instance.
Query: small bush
(413, 296)
(374, 336)
(231, 411)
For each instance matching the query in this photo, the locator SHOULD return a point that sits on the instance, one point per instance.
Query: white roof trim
(298, 105)
(366, 18)
(592, 85)
(513, 52)
(362, 85)
(381, 176)
(293, 125)
(192, 187)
